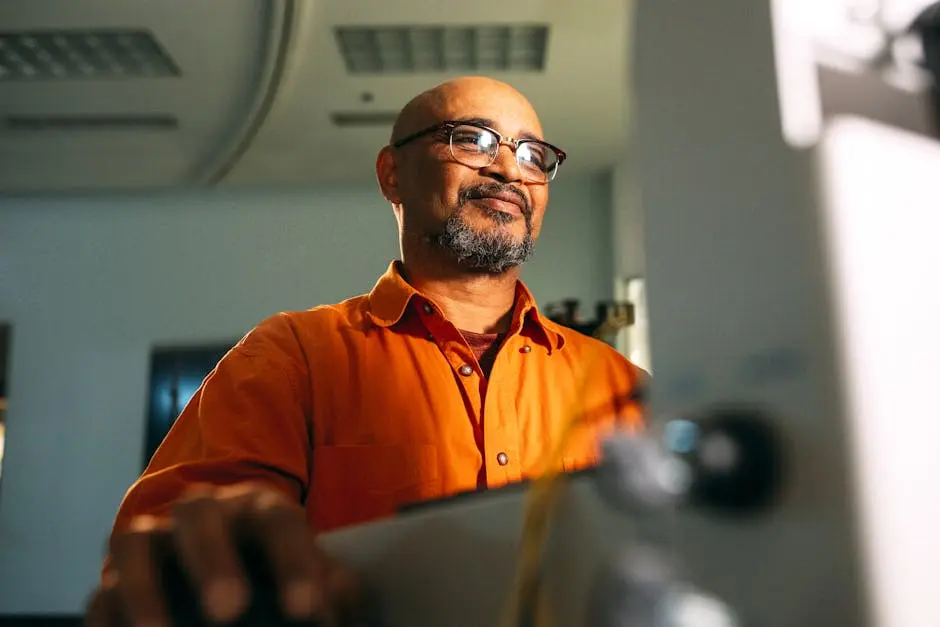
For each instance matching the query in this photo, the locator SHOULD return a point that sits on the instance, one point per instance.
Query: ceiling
(259, 80)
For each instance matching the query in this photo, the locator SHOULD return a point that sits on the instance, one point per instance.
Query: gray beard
(491, 252)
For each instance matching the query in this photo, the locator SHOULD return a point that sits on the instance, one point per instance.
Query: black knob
(735, 456)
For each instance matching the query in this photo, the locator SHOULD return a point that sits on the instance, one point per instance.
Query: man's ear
(386, 170)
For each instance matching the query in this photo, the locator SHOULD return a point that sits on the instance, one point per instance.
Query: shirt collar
(392, 295)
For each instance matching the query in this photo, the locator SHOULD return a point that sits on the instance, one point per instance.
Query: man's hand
(242, 552)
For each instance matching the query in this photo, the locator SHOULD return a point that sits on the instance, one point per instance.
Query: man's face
(486, 218)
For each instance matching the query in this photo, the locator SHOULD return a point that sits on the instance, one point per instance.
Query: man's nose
(504, 168)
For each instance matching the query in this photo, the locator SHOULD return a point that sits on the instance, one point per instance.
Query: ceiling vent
(71, 55)
(36, 123)
(417, 49)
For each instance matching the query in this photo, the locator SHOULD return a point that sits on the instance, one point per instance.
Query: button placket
(501, 433)
(458, 356)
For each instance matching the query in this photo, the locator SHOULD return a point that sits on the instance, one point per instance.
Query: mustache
(485, 190)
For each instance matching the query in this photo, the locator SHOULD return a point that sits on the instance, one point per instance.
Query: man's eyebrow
(492, 124)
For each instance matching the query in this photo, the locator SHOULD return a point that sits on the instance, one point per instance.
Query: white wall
(627, 221)
(92, 283)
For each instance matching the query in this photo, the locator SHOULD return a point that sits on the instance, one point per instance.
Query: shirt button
(502, 459)
(466, 370)
(428, 309)
(526, 349)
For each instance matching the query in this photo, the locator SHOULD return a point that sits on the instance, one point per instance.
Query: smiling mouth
(498, 204)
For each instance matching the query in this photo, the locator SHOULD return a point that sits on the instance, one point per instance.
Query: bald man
(444, 378)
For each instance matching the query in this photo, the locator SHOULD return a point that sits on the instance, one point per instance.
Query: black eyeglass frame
(514, 143)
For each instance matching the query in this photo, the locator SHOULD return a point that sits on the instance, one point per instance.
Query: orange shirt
(359, 408)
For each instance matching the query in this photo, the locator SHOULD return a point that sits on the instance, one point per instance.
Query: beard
(490, 250)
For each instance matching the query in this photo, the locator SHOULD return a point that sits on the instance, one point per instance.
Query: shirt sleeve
(248, 421)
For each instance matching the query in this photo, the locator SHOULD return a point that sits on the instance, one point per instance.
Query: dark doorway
(175, 375)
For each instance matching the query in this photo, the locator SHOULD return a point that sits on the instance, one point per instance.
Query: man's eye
(533, 154)
(467, 138)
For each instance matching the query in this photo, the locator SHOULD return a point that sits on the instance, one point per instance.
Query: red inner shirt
(485, 346)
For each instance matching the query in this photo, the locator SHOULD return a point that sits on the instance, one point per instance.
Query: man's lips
(495, 204)
(507, 202)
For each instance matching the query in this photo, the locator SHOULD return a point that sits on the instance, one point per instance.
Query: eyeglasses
(477, 146)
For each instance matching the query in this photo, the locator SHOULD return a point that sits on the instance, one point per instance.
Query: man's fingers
(238, 549)
(136, 559)
(208, 554)
(104, 609)
(353, 604)
(290, 551)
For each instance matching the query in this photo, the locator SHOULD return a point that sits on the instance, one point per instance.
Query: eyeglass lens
(478, 147)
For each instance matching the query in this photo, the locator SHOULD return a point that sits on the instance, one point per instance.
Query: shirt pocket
(359, 483)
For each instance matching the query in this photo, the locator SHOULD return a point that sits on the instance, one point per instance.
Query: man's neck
(474, 302)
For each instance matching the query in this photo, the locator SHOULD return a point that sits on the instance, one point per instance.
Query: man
(444, 378)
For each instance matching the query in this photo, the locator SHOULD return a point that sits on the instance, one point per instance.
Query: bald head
(476, 93)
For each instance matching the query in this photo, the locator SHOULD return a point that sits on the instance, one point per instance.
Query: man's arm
(248, 422)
